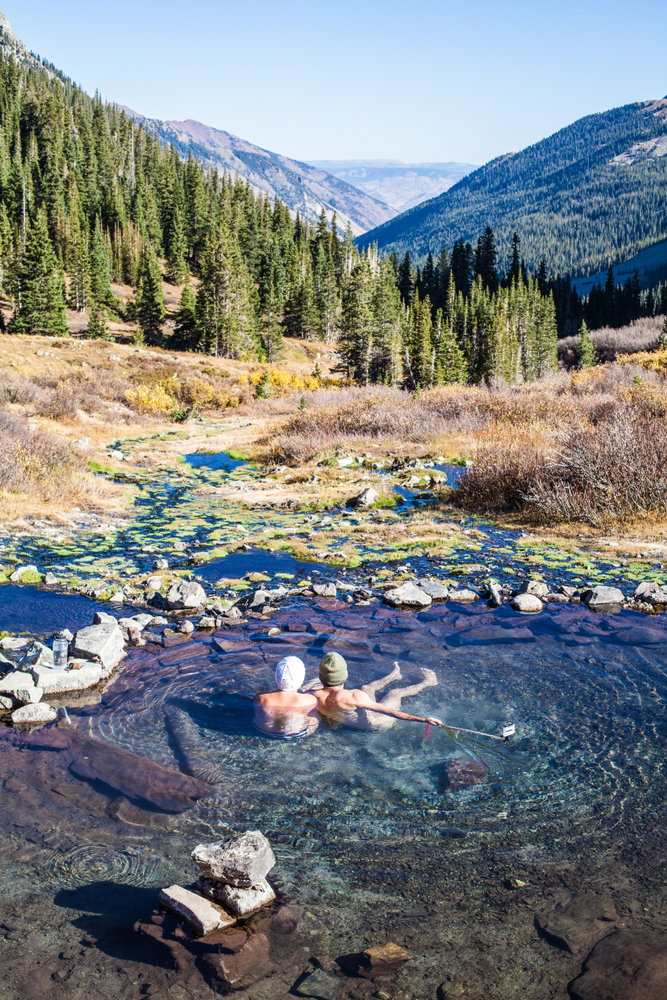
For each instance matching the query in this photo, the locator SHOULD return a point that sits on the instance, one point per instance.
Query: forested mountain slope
(301, 186)
(591, 194)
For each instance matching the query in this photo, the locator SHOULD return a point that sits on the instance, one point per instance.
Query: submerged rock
(527, 604)
(319, 985)
(242, 861)
(458, 774)
(383, 960)
(227, 972)
(408, 595)
(185, 594)
(577, 922)
(627, 965)
(202, 915)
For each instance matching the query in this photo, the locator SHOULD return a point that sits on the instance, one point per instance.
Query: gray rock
(17, 680)
(567, 591)
(626, 965)
(365, 498)
(6, 703)
(180, 546)
(84, 675)
(325, 589)
(36, 655)
(14, 642)
(33, 714)
(243, 861)
(240, 902)
(602, 597)
(158, 620)
(527, 604)
(557, 598)
(64, 634)
(117, 598)
(203, 916)
(20, 570)
(207, 622)
(29, 695)
(436, 591)
(186, 595)
(534, 587)
(103, 618)
(320, 985)
(160, 564)
(577, 922)
(464, 596)
(50, 579)
(651, 593)
(185, 627)
(154, 582)
(495, 594)
(233, 613)
(408, 595)
(102, 643)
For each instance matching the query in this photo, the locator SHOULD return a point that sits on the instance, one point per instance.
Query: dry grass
(641, 335)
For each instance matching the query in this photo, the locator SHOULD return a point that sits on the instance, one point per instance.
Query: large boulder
(103, 644)
(408, 595)
(534, 587)
(650, 593)
(184, 594)
(86, 675)
(527, 604)
(436, 591)
(627, 965)
(242, 861)
(601, 597)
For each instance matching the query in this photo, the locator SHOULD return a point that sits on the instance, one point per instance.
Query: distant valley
(399, 185)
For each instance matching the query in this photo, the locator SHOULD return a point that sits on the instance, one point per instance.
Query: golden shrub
(152, 399)
(653, 361)
(281, 381)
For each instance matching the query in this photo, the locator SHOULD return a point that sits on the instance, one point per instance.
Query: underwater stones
(382, 960)
(320, 985)
(365, 498)
(20, 570)
(436, 591)
(458, 774)
(154, 582)
(651, 593)
(83, 676)
(464, 596)
(407, 595)
(184, 594)
(36, 655)
(229, 972)
(242, 861)
(33, 714)
(325, 589)
(577, 922)
(160, 564)
(601, 597)
(626, 965)
(50, 580)
(202, 915)
(534, 587)
(526, 604)
(241, 902)
(103, 643)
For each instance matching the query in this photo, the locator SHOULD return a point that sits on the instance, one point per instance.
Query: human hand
(434, 722)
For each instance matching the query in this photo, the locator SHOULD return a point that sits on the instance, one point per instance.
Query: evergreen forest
(89, 198)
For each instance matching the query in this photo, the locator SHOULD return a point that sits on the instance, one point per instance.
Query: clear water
(218, 461)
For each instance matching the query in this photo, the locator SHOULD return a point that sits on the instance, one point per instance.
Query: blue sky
(428, 81)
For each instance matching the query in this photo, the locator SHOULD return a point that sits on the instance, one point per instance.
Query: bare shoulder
(358, 698)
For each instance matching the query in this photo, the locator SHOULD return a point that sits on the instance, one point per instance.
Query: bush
(151, 399)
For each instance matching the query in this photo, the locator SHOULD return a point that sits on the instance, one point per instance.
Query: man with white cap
(286, 713)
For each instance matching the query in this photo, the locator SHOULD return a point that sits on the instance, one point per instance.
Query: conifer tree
(225, 307)
(100, 269)
(450, 366)
(186, 334)
(40, 287)
(585, 348)
(150, 308)
(177, 268)
(271, 336)
(98, 328)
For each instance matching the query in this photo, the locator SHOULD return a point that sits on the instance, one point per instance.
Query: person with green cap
(358, 707)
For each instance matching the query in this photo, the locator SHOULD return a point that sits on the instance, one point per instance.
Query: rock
(185, 627)
(17, 680)
(154, 582)
(407, 595)
(20, 570)
(553, 598)
(527, 604)
(577, 922)
(157, 620)
(383, 960)
(103, 618)
(534, 587)
(496, 594)
(64, 634)
(226, 972)
(627, 965)
(83, 676)
(29, 695)
(202, 915)
(325, 589)
(6, 703)
(602, 597)
(458, 774)
(180, 546)
(365, 498)
(36, 655)
(321, 985)
(436, 591)
(652, 593)
(186, 595)
(273, 632)
(233, 613)
(251, 602)
(207, 622)
(463, 595)
(29, 714)
(242, 861)
(50, 579)
(117, 598)
(160, 564)
(241, 902)
(344, 463)
(103, 643)
(567, 591)
(14, 642)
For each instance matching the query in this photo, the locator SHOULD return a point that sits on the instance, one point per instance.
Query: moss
(97, 467)
(258, 577)
(284, 576)
(30, 576)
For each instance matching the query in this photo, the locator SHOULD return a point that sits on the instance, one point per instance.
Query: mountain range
(592, 194)
(399, 185)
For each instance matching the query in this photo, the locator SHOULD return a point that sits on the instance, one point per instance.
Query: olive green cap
(333, 670)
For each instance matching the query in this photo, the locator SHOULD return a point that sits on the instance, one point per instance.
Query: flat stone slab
(242, 862)
(103, 643)
(63, 681)
(577, 923)
(29, 714)
(203, 916)
(408, 595)
(240, 902)
(14, 642)
(436, 591)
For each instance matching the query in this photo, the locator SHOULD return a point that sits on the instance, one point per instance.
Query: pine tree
(585, 348)
(150, 308)
(40, 287)
(406, 281)
(100, 269)
(271, 336)
(98, 328)
(186, 334)
(450, 366)
(225, 306)
(177, 268)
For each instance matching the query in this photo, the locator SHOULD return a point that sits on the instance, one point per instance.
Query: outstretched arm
(363, 701)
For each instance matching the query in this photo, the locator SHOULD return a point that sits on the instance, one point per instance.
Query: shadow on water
(43, 611)
(238, 564)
